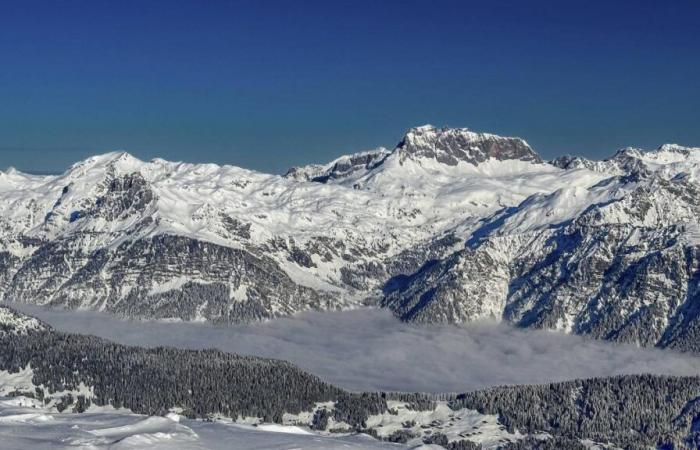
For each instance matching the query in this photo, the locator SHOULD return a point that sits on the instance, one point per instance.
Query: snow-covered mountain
(450, 225)
(616, 260)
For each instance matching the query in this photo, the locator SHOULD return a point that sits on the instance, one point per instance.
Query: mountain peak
(445, 145)
(452, 145)
(118, 161)
(115, 157)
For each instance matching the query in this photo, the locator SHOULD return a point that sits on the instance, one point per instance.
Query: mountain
(617, 260)
(449, 226)
(47, 371)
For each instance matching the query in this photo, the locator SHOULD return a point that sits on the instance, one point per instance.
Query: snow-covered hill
(450, 225)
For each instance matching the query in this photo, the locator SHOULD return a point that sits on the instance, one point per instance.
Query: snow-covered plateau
(448, 227)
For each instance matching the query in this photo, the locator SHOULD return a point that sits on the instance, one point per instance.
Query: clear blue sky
(269, 84)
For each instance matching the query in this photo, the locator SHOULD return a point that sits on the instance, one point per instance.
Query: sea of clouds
(370, 349)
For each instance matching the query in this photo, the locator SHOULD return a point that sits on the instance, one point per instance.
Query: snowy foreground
(25, 424)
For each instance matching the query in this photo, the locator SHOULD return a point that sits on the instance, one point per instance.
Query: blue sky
(270, 84)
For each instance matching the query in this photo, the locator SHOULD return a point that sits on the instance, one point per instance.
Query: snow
(22, 382)
(173, 284)
(458, 425)
(592, 445)
(18, 381)
(275, 428)
(25, 423)
(691, 234)
(309, 172)
(463, 424)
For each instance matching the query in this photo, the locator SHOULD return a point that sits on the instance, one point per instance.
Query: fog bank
(371, 350)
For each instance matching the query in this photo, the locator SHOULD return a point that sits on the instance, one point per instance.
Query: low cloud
(372, 350)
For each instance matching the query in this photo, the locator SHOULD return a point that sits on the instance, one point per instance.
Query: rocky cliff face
(452, 145)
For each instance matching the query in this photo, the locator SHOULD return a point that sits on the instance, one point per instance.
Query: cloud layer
(371, 350)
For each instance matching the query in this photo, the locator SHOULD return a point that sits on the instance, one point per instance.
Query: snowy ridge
(669, 160)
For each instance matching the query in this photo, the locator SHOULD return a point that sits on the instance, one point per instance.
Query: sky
(370, 349)
(271, 84)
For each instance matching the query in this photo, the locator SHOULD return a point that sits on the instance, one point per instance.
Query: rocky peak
(339, 168)
(627, 153)
(452, 145)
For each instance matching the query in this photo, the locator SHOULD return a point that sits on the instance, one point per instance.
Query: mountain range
(449, 226)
